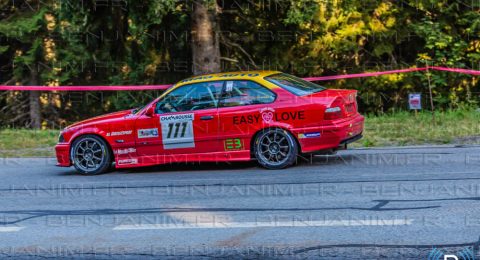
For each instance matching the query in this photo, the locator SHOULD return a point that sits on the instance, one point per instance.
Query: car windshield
(294, 85)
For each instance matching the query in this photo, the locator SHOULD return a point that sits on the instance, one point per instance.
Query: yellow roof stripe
(228, 76)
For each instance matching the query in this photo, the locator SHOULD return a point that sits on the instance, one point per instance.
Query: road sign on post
(415, 101)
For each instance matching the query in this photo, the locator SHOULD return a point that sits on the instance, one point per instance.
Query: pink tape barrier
(457, 70)
(86, 88)
(164, 87)
(363, 75)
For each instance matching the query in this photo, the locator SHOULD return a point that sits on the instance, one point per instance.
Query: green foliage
(449, 36)
(23, 26)
(301, 11)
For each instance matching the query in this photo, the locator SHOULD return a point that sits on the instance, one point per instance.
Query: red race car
(266, 115)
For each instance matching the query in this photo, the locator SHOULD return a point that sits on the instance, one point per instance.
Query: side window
(245, 92)
(191, 97)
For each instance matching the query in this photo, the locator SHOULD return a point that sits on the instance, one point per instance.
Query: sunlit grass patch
(26, 142)
(406, 128)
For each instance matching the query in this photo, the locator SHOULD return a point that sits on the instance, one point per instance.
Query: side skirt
(232, 156)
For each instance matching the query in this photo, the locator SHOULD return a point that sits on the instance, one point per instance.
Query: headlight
(61, 139)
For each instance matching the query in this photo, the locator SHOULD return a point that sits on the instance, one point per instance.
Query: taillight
(332, 113)
(335, 110)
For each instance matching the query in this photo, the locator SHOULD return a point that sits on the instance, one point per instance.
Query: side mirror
(150, 111)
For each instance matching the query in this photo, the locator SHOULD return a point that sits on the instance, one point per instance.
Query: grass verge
(27, 143)
(397, 129)
(406, 128)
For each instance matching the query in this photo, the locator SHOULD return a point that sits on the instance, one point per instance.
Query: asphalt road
(371, 203)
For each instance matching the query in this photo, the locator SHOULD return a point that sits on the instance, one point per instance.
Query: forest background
(118, 42)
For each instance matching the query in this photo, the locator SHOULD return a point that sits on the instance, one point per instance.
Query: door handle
(206, 117)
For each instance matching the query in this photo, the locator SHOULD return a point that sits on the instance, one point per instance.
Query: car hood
(102, 118)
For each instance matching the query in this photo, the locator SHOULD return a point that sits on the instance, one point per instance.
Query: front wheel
(90, 155)
(275, 148)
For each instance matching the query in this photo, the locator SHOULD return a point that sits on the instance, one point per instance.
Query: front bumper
(62, 151)
(330, 136)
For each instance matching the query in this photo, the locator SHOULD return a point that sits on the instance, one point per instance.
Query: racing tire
(275, 148)
(90, 155)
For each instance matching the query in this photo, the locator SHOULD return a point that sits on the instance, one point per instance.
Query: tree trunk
(34, 102)
(205, 43)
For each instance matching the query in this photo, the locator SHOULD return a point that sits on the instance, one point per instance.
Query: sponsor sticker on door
(148, 133)
(177, 131)
(127, 161)
(126, 151)
(127, 132)
(309, 135)
(233, 144)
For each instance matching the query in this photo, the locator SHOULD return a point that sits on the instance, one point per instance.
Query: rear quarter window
(245, 92)
(294, 85)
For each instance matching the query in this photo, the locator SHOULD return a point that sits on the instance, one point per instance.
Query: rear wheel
(275, 148)
(90, 155)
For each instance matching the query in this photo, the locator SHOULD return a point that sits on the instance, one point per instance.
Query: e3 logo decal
(233, 144)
